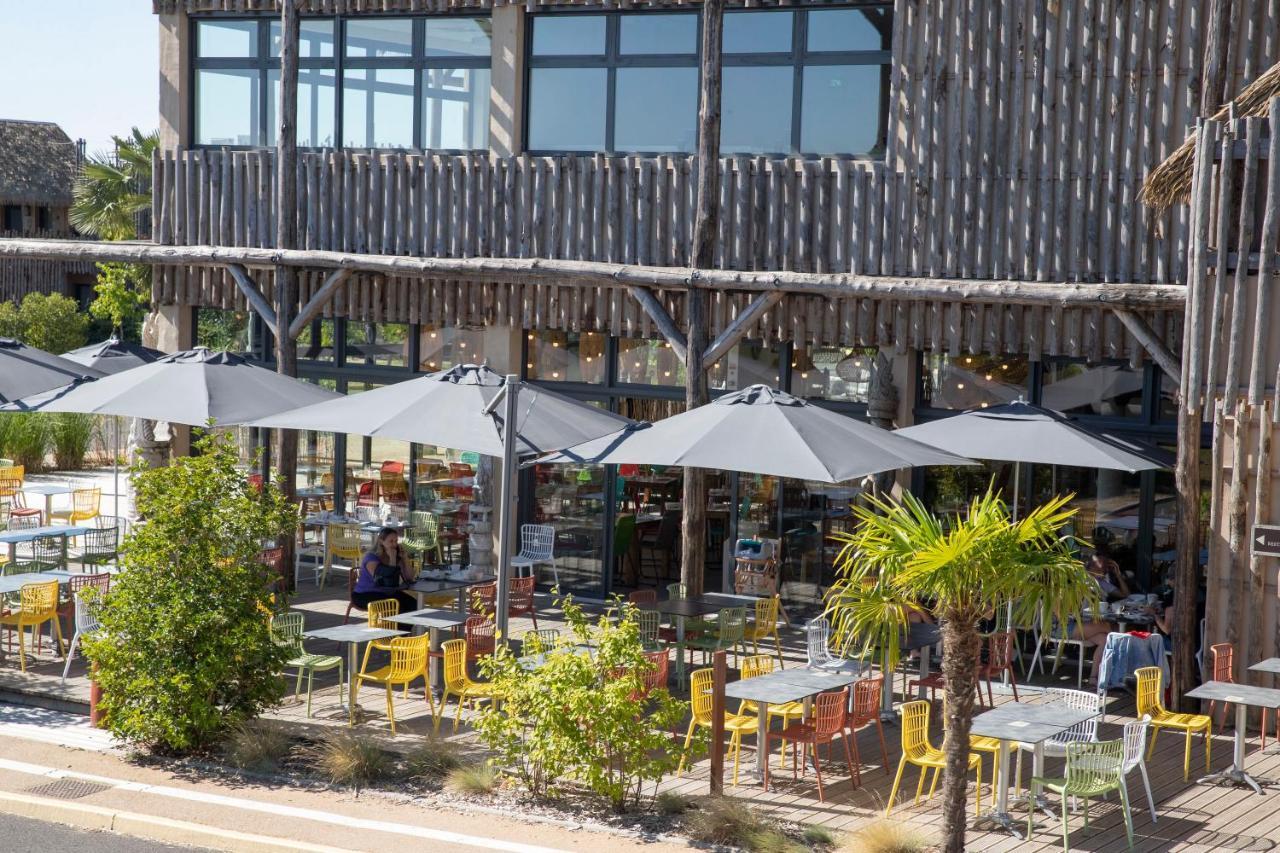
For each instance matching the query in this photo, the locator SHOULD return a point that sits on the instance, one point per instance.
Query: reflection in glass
(219, 329)
(973, 381)
(649, 362)
(650, 34)
(811, 512)
(840, 109)
(317, 347)
(377, 107)
(756, 108)
(385, 344)
(1112, 390)
(566, 356)
(656, 109)
(748, 363)
(850, 29)
(442, 347)
(758, 32)
(379, 37)
(567, 109)
(315, 38)
(227, 105)
(455, 108)
(571, 499)
(317, 89)
(833, 373)
(568, 35)
(1108, 508)
(227, 39)
(458, 36)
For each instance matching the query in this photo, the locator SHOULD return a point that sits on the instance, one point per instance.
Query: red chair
(351, 597)
(642, 597)
(520, 599)
(367, 494)
(828, 721)
(453, 533)
(999, 661)
(867, 693)
(479, 633)
(391, 467)
(656, 677)
(484, 600)
(1223, 670)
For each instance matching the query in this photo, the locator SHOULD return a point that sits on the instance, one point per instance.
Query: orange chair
(520, 599)
(867, 693)
(479, 632)
(1224, 670)
(484, 599)
(655, 678)
(642, 597)
(999, 661)
(829, 720)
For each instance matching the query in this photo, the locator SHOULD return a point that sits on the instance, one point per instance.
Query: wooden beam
(1157, 348)
(734, 331)
(317, 302)
(254, 296)
(1049, 294)
(658, 314)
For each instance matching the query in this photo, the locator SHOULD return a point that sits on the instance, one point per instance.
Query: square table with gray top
(15, 583)
(798, 684)
(680, 609)
(1021, 722)
(352, 636)
(48, 491)
(435, 621)
(1242, 696)
(428, 586)
(13, 538)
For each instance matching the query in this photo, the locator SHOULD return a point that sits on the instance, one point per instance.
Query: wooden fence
(20, 277)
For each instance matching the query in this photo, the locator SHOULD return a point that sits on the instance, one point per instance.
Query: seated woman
(384, 573)
(1106, 571)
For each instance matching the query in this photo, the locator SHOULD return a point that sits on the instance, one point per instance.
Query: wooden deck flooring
(1191, 817)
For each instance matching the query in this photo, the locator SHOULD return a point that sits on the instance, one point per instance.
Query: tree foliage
(48, 321)
(123, 294)
(185, 652)
(578, 717)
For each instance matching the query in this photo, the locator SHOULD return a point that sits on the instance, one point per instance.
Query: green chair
(650, 622)
(539, 641)
(423, 536)
(624, 534)
(1093, 769)
(727, 635)
(102, 543)
(286, 630)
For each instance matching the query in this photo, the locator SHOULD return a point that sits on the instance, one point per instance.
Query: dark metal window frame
(263, 64)
(799, 58)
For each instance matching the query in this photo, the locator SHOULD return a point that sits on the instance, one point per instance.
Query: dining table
(1021, 722)
(351, 636)
(1270, 666)
(681, 609)
(435, 622)
(1242, 696)
(455, 582)
(13, 538)
(48, 491)
(15, 583)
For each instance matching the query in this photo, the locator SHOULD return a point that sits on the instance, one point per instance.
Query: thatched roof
(1170, 182)
(37, 163)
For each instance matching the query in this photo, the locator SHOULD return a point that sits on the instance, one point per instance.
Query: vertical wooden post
(286, 291)
(1216, 76)
(706, 217)
(719, 674)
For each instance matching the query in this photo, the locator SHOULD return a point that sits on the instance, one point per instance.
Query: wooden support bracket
(1146, 336)
(744, 321)
(658, 314)
(316, 303)
(254, 296)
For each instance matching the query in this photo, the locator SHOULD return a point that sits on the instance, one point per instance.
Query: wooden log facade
(20, 276)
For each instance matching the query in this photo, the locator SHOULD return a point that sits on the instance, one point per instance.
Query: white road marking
(405, 829)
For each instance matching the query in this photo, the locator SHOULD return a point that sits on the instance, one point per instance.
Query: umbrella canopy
(1022, 432)
(114, 356)
(190, 387)
(447, 409)
(763, 431)
(26, 370)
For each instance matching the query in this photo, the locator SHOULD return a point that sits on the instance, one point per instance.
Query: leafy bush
(25, 439)
(347, 758)
(578, 717)
(48, 321)
(472, 779)
(256, 746)
(71, 434)
(185, 653)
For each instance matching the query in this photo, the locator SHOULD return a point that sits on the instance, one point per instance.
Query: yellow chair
(84, 507)
(757, 665)
(377, 612)
(1149, 702)
(37, 604)
(408, 661)
(700, 684)
(765, 626)
(344, 544)
(917, 750)
(458, 683)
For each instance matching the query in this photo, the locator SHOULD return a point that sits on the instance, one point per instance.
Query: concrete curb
(133, 824)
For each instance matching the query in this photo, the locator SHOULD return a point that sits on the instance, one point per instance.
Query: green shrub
(185, 653)
(71, 436)
(721, 820)
(256, 746)
(472, 779)
(575, 716)
(347, 758)
(432, 759)
(672, 803)
(48, 321)
(25, 438)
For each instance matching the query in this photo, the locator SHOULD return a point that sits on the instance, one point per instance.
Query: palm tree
(901, 556)
(114, 188)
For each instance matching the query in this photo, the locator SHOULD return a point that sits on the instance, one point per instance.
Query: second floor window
(363, 82)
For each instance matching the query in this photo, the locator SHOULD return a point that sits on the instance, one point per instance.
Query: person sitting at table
(1162, 614)
(383, 573)
(1106, 572)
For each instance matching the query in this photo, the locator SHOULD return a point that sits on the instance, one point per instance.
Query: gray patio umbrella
(114, 355)
(26, 370)
(761, 430)
(466, 408)
(190, 387)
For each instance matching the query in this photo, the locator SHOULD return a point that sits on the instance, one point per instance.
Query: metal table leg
(925, 653)
(351, 683)
(1001, 817)
(435, 673)
(762, 726)
(1235, 775)
(680, 673)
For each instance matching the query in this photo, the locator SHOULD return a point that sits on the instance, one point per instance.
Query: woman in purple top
(383, 572)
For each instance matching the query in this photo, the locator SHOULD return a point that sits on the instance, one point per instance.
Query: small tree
(186, 652)
(901, 556)
(581, 717)
(48, 321)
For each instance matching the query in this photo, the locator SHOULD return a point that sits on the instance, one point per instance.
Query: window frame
(264, 64)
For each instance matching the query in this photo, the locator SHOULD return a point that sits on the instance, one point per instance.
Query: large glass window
(973, 381)
(614, 82)
(567, 356)
(1077, 388)
(395, 82)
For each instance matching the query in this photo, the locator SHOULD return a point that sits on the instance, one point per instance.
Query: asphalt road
(22, 835)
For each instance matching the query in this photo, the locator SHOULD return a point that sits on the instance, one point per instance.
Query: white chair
(86, 623)
(1135, 751)
(1061, 638)
(1085, 732)
(537, 547)
(817, 638)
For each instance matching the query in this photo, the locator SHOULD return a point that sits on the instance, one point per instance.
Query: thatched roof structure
(1170, 182)
(38, 163)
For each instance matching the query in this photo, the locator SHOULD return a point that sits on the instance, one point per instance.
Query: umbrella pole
(511, 395)
(1017, 481)
(115, 462)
